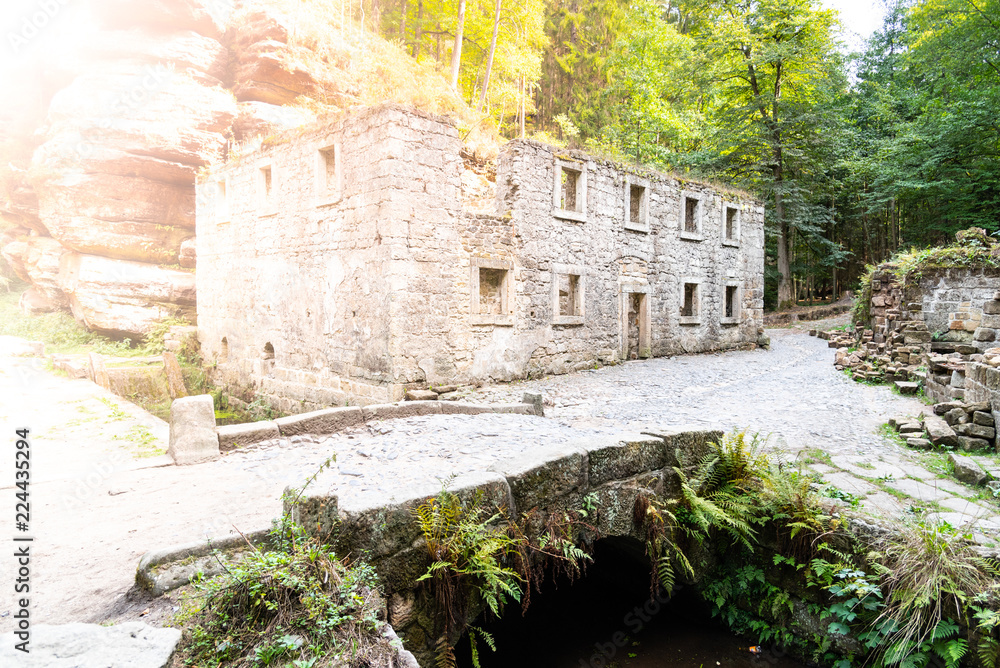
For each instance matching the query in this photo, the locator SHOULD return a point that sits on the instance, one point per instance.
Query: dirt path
(101, 495)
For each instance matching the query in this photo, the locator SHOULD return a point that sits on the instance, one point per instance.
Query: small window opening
(690, 306)
(636, 195)
(491, 290)
(690, 214)
(224, 352)
(570, 183)
(329, 184)
(731, 301)
(731, 214)
(569, 286)
(268, 351)
(266, 185)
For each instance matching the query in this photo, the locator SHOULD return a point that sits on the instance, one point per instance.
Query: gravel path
(97, 505)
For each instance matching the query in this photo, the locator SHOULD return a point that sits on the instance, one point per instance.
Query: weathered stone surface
(232, 436)
(421, 395)
(166, 569)
(970, 444)
(984, 334)
(192, 430)
(37, 260)
(175, 379)
(944, 407)
(956, 416)
(968, 470)
(615, 459)
(404, 409)
(545, 476)
(939, 431)
(132, 644)
(919, 443)
(976, 431)
(911, 428)
(326, 421)
(99, 371)
(983, 418)
(906, 387)
(536, 400)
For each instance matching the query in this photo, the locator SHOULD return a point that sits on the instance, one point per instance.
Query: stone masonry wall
(315, 299)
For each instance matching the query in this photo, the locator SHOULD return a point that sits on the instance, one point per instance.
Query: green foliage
(468, 546)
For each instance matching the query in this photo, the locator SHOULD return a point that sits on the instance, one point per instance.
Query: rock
(944, 407)
(968, 470)
(910, 428)
(981, 406)
(991, 308)
(445, 389)
(37, 261)
(984, 334)
(956, 416)
(192, 430)
(976, 431)
(125, 298)
(188, 257)
(919, 443)
(906, 387)
(421, 395)
(326, 421)
(939, 432)
(958, 378)
(983, 418)
(764, 341)
(92, 645)
(535, 399)
(232, 436)
(970, 444)
(175, 379)
(258, 119)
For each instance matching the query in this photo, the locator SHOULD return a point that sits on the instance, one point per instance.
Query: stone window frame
(504, 319)
(581, 190)
(223, 201)
(266, 198)
(643, 224)
(737, 303)
(581, 291)
(626, 288)
(323, 194)
(699, 217)
(737, 225)
(698, 295)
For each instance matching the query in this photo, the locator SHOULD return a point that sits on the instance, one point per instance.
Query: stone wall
(387, 284)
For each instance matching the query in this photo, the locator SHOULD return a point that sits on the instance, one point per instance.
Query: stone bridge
(614, 469)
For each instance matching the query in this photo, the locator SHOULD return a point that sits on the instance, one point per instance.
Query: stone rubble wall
(373, 294)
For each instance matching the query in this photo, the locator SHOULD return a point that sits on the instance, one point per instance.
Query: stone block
(956, 416)
(945, 406)
(326, 421)
(984, 334)
(232, 436)
(968, 470)
(65, 645)
(957, 379)
(421, 395)
(990, 321)
(939, 432)
(192, 430)
(175, 379)
(906, 387)
(612, 458)
(974, 406)
(976, 431)
(991, 307)
(98, 371)
(919, 443)
(535, 399)
(983, 418)
(400, 410)
(970, 444)
(916, 337)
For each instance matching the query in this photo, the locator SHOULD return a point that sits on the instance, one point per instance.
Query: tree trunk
(522, 106)
(489, 58)
(456, 52)
(784, 261)
(417, 34)
(402, 21)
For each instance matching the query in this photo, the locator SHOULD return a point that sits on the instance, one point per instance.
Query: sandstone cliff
(100, 218)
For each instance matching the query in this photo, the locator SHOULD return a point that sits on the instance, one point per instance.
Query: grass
(146, 443)
(891, 435)
(816, 456)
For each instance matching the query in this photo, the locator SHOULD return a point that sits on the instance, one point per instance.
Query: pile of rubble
(952, 425)
(896, 360)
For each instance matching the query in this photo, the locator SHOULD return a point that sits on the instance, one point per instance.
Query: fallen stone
(910, 428)
(970, 444)
(976, 431)
(944, 407)
(981, 406)
(232, 436)
(968, 470)
(421, 395)
(535, 399)
(983, 418)
(445, 389)
(919, 443)
(906, 387)
(956, 416)
(132, 644)
(192, 430)
(940, 432)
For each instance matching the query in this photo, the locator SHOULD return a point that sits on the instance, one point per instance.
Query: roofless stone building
(340, 264)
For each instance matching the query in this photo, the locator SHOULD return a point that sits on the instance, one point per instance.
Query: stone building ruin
(340, 264)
